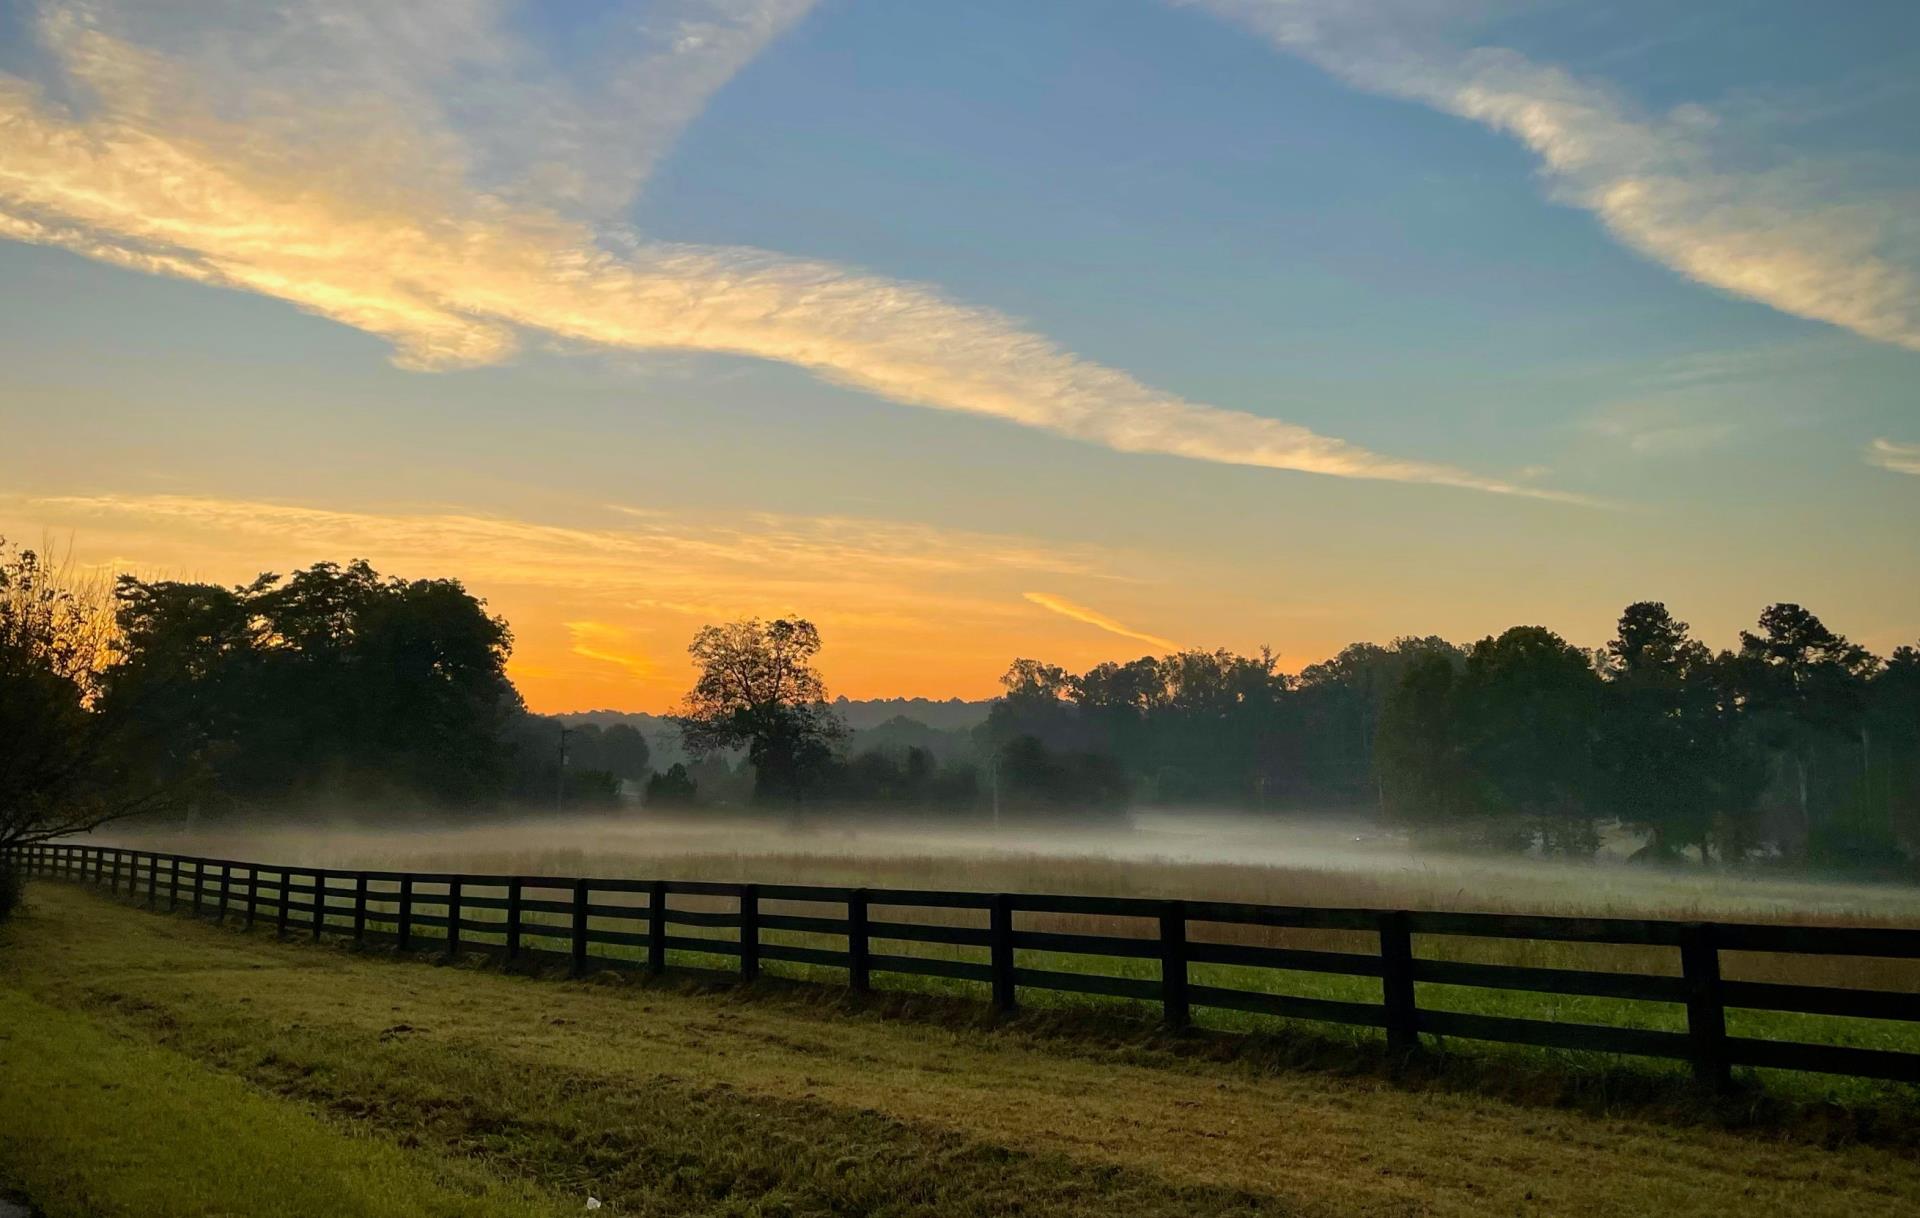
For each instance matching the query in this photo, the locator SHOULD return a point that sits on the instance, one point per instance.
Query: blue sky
(1240, 322)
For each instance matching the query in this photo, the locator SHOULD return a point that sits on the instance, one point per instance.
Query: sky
(1078, 331)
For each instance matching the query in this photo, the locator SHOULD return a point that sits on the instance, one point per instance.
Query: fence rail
(399, 906)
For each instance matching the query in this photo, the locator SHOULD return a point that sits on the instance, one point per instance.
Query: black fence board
(1088, 983)
(1551, 980)
(1086, 945)
(1825, 1059)
(918, 932)
(1599, 1038)
(803, 955)
(926, 966)
(1288, 1006)
(1347, 963)
(1821, 1000)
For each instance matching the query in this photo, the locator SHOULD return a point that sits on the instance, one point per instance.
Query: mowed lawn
(153, 1065)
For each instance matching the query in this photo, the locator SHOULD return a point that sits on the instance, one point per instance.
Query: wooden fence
(421, 910)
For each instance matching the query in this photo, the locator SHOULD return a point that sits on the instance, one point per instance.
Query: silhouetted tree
(1659, 734)
(1530, 701)
(335, 680)
(59, 752)
(1805, 692)
(1420, 749)
(758, 690)
(674, 788)
(1343, 701)
(1892, 741)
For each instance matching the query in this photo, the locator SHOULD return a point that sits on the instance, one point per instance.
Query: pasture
(947, 954)
(472, 1091)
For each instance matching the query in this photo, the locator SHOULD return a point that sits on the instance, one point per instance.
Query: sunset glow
(634, 322)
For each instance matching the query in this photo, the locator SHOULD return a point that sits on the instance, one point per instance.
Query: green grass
(200, 1070)
(100, 1125)
(1663, 1016)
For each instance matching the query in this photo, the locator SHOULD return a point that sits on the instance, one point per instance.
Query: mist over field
(1328, 859)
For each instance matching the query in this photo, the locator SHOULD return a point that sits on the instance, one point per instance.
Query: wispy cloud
(1680, 187)
(1662, 426)
(1097, 619)
(609, 645)
(381, 209)
(1894, 455)
(878, 575)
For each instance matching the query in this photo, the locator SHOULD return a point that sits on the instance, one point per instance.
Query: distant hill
(954, 714)
(948, 722)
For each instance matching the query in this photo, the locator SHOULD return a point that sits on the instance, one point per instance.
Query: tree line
(1797, 743)
(339, 687)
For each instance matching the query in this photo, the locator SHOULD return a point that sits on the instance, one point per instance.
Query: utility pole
(560, 795)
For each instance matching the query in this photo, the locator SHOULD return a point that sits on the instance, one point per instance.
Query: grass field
(1312, 864)
(171, 1067)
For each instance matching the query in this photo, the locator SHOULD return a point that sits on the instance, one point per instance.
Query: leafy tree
(622, 751)
(1530, 703)
(1420, 749)
(58, 751)
(1035, 778)
(1039, 703)
(1893, 741)
(674, 788)
(1805, 691)
(758, 689)
(1344, 701)
(1660, 733)
(335, 680)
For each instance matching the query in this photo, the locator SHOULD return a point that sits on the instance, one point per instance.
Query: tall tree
(1344, 701)
(1530, 703)
(1891, 787)
(758, 690)
(1658, 734)
(1806, 691)
(1421, 747)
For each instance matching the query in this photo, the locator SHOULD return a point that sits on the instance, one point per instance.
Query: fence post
(199, 885)
(1706, 1012)
(1173, 965)
(749, 933)
(403, 919)
(280, 907)
(226, 888)
(579, 965)
(319, 904)
(453, 918)
(859, 966)
(513, 919)
(657, 927)
(253, 894)
(113, 877)
(360, 910)
(1396, 984)
(153, 881)
(1000, 936)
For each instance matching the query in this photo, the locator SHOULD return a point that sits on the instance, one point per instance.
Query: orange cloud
(1097, 619)
(907, 608)
(609, 645)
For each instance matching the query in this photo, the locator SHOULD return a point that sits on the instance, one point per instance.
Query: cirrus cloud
(1680, 187)
(355, 192)
(1895, 456)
